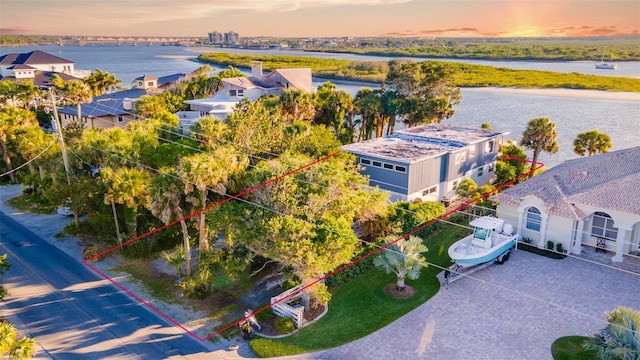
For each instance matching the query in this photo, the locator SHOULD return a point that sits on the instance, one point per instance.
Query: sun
(524, 32)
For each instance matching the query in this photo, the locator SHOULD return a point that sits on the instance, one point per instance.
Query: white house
(591, 201)
(252, 87)
(38, 66)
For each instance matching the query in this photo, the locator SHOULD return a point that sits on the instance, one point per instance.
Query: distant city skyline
(323, 18)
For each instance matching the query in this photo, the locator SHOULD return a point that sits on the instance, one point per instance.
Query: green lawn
(361, 307)
(570, 348)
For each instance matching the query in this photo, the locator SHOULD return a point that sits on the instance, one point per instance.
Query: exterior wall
(560, 230)
(385, 173)
(424, 175)
(103, 122)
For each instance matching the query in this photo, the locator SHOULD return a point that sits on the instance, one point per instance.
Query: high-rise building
(231, 37)
(216, 37)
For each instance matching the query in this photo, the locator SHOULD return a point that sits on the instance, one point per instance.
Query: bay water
(505, 111)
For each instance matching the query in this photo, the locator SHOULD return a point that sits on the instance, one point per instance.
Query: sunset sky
(317, 18)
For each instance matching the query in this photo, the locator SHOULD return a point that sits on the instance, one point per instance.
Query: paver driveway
(513, 311)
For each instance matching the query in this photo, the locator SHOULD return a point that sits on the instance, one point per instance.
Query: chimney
(256, 69)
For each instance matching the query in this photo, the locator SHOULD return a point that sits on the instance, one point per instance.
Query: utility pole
(65, 160)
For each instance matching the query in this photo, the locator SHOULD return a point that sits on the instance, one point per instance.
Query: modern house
(252, 87)
(39, 67)
(427, 162)
(591, 201)
(117, 109)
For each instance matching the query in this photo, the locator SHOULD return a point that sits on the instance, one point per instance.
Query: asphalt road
(73, 313)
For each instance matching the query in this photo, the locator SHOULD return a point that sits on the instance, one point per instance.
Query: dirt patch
(398, 293)
(269, 327)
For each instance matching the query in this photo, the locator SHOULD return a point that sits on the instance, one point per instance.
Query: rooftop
(421, 142)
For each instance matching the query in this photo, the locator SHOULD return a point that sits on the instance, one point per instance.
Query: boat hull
(467, 256)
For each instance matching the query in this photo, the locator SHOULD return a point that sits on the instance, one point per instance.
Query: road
(73, 313)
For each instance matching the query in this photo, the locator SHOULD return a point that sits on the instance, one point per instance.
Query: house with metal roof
(428, 162)
(38, 66)
(591, 201)
(252, 87)
(118, 108)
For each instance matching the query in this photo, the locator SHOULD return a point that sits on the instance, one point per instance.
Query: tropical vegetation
(11, 346)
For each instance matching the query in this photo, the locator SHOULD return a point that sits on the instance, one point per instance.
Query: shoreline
(557, 92)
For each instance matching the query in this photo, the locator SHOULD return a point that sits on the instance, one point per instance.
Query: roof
(108, 104)
(171, 79)
(607, 181)
(32, 58)
(421, 142)
(146, 77)
(41, 79)
(21, 67)
(300, 78)
(251, 82)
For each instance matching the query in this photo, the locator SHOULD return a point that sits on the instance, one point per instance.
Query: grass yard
(570, 348)
(361, 306)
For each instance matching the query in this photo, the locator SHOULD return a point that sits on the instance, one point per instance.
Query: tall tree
(167, 204)
(130, 187)
(205, 171)
(428, 90)
(403, 258)
(11, 119)
(334, 109)
(75, 92)
(101, 82)
(540, 135)
(591, 143)
(297, 105)
(11, 346)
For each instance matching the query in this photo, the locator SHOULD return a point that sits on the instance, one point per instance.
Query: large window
(533, 219)
(602, 226)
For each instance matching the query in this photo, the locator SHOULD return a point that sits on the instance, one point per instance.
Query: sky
(322, 18)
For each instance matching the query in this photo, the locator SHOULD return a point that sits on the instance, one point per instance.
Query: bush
(285, 325)
(560, 248)
(550, 245)
(352, 271)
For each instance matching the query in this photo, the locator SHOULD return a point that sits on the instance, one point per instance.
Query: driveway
(513, 311)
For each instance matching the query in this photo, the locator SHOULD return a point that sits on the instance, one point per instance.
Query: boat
(492, 241)
(605, 65)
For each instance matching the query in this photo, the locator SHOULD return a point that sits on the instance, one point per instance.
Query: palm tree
(621, 338)
(540, 135)
(130, 187)
(402, 257)
(166, 204)
(297, 105)
(75, 92)
(591, 143)
(100, 82)
(12, 347)
(204, 171)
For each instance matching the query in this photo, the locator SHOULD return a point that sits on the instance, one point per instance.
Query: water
(504, 111)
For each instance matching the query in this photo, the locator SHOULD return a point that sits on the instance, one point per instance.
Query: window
(533, 219)
(489, 147)
(120, 119)
(377, 163)
(388, 166)
(480, 171)
(602, 226)
(491, 167)
(150, 83)
(430, 190)
(401, 169)
(240, 92)
(232, 93)
(365, 161)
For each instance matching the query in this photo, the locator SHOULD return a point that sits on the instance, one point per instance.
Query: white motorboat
(492, 239)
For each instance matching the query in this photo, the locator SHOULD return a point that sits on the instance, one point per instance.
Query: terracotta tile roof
(608, 181)
(34, 57)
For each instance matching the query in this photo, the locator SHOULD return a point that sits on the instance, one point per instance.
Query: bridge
(130, 41)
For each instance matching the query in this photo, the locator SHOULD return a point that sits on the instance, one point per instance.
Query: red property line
(537, 165)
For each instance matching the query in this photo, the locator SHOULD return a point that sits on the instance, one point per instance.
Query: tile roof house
(427, 162)
(117, 109)
(252, 87)
(38, 66)
(592, 201)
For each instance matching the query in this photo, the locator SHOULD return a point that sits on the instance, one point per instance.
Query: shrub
(560, 248)
(285, 325)
(265, 315)
(526, 240)
(550, 245)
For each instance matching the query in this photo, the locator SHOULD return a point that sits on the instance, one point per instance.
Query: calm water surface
(504, 111)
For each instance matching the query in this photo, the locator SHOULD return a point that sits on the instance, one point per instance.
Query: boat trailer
(455, 271)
